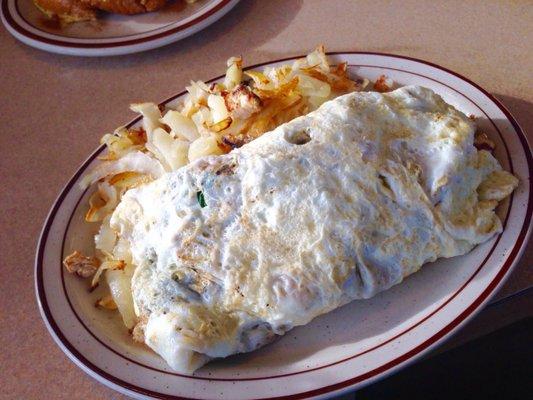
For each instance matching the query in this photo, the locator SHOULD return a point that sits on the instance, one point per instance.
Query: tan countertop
(55, 108)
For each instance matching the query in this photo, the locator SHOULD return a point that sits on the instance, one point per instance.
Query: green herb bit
(201, 199)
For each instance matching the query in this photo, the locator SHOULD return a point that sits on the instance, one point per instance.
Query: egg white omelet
(337, 205)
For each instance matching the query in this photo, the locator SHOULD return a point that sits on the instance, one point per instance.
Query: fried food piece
(241, 102)
(126, 6)
(86, 10)
(67, 10)
(83, 266)
(383, 84)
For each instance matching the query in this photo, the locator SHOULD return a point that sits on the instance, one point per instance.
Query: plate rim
(386, 369)
(91, 47)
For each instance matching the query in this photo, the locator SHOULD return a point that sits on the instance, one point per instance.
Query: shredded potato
(211, 120)
(217, 106)
(233, 73)
(106, 302)
(151, 116)
(181, 126)
(204, 146)
(172, 153)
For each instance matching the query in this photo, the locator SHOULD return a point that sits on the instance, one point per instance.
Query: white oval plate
(111, 34)
(350, 347)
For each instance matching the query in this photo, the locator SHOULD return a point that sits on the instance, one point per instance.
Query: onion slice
(132, 162)
(102, 202)
(113, 265)
(119, 283)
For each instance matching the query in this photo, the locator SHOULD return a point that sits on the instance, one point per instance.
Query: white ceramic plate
(350, 347)
(111, 34)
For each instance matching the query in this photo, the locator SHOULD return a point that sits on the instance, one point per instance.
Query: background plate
(111, 34)
(347, 348)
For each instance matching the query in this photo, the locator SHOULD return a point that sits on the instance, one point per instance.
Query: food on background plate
(224, 226)
(68, 11)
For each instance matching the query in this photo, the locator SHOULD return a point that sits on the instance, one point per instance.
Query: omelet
(340, 204)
